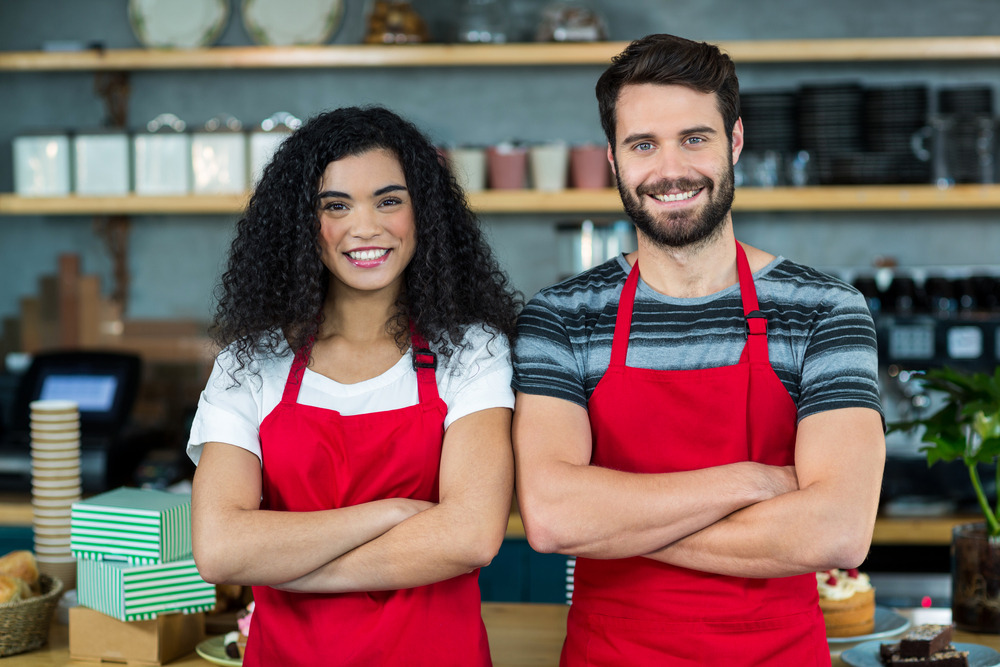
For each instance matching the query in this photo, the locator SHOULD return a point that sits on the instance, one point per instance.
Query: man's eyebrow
(389, 188)
(647, 136)
(638, 136)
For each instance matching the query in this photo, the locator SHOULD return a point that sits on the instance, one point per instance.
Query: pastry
(21, 564)
(13, 589)
(847, 600)
(243, 621)
(924, 641)
(231, 643)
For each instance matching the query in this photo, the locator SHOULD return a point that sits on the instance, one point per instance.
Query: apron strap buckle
(756, 324)
(424, 358)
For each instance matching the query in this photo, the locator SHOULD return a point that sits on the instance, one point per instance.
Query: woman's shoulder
(253, 361)
(480, 345)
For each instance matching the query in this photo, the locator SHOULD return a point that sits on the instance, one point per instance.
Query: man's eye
(644, 146)
(696, 140)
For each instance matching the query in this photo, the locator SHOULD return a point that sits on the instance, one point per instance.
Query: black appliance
(104, 384)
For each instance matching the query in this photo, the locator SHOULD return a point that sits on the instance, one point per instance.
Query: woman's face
(367, 232)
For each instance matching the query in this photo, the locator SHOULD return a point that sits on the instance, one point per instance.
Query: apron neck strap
(299, 363)
(756, 323)
(623, 321)
(424, 363)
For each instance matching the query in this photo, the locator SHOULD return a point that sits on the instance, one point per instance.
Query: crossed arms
(386, 544)
(742, 519)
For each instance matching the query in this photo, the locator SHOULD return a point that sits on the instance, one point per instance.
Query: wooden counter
(521, 635)
(15, 510)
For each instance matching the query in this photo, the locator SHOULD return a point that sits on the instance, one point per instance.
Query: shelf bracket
(114, 231)
(113, 88)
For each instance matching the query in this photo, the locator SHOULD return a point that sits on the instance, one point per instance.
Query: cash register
(104, 385)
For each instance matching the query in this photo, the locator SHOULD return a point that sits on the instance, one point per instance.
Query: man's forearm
(600, 513)
(799, 532)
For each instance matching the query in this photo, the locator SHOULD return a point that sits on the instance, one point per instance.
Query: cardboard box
(136, 526)
(142, 592)
(99, 638)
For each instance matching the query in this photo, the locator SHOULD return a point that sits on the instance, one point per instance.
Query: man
(703, 439)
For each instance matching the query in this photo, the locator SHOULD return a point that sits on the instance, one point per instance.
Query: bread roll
(13, 589)
(20, 564)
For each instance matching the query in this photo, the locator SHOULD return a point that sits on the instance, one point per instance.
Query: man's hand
(572, 507)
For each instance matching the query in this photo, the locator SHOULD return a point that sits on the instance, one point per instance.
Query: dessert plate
(214, 651)
(887, 624)
(286, 22)
(181, 24)
(866, 655)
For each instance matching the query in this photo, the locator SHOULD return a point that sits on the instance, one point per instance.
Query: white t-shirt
(475, 378)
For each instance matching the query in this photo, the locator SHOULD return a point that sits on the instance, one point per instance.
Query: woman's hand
(236, 542)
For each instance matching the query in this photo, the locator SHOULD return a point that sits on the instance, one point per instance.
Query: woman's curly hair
(275, 284)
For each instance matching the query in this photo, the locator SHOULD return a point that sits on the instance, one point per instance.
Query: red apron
(316, 459)
(639, 612)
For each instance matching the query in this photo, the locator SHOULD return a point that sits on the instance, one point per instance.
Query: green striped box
(137, 526)
(141, 592)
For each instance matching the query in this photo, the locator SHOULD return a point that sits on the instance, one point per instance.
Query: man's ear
(611, 159)
(737, 140)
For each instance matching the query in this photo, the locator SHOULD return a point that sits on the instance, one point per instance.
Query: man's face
(674, 163)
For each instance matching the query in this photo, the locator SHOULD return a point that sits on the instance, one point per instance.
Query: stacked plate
(892, 116)
(55, 484)
(769, 121)
(830, 124)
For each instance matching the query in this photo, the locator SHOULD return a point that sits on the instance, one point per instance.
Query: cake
(925, 645)
(847, 600)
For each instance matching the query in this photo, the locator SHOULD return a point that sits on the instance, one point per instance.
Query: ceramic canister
(163, 158)
(101, 162)
(41, 165)
(468, 164)
(219, 157)
(265, 139)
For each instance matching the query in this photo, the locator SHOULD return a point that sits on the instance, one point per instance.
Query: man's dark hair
(669, 60)
(275, 284)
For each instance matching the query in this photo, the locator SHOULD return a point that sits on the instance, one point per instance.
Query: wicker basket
(24, 625)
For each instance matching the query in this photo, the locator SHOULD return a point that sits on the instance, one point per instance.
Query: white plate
(177, 24)
(286, 22)
(887, 624)
(867, 655)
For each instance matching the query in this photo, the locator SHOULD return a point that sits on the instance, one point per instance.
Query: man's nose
(672, 163)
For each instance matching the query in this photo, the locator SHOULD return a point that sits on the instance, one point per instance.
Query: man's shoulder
(590, 290)
(788, 282)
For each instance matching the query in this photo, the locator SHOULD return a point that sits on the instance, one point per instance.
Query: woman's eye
(335, 206)
(391, 201)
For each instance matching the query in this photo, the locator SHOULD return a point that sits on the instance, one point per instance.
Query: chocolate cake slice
(886, 652)
(947, 658)
(924, 641)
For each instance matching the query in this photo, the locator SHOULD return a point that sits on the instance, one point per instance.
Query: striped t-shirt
(821, 339)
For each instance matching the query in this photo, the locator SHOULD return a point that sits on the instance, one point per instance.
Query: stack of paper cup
(55, 484)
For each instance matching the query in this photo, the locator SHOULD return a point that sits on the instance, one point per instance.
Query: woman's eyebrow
(333, 193)
(389, 188)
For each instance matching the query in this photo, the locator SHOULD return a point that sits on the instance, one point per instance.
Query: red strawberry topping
(831, 581)
(853, 573)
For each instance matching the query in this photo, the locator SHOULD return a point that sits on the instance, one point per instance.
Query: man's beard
(669, 230)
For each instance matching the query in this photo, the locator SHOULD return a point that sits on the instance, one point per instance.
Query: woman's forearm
(432, 546)
(260, 547)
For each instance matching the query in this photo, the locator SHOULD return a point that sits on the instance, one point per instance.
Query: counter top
(15, 510)
(521, 635)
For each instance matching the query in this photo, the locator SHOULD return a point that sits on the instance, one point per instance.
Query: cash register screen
(93, 393)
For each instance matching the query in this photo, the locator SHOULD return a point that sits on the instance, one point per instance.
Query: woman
(353, 443)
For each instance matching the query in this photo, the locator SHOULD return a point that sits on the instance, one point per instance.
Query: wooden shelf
(826, 198)
(935, 531)
(476, 55)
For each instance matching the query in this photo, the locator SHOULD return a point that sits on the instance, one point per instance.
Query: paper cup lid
(54, 406)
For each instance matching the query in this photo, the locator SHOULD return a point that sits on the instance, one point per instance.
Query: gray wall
(175, 260)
